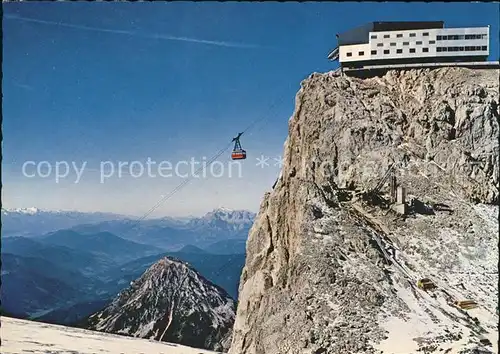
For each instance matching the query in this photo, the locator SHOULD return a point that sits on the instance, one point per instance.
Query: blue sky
(93, 82)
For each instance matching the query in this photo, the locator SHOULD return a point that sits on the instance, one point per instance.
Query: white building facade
(410, 42)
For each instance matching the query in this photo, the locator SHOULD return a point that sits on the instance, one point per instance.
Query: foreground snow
(35, 337)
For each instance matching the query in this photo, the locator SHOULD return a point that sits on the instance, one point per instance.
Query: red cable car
(238, 153)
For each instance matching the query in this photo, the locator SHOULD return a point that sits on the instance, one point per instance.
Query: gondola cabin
(239, 154)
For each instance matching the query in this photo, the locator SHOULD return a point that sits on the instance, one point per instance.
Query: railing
(493, 64)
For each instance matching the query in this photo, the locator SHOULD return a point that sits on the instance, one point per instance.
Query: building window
(445, 38)
(393, 44)
(419, 42)
(474, 36)
(432, 42)
(386, 51)
(380, 44)
(361, 53)
(438, 38)
(406, 43)
(399, 35)
(349, 54)
(426, 34)
(374, 52)
(484, 47)
(399, 51)
(412, 34)
(386, 36)
(438, 49)
(373, 36)
(425, 50)
(412, 50)
(461, 49)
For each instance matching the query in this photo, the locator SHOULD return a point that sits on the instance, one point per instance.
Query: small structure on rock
(466, 304)
(426, 284)
(400, 205)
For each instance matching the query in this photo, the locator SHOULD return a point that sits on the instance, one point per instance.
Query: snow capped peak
(169, 295)
(229, 215)
(225, 221)
(224, 209)
(30, 210)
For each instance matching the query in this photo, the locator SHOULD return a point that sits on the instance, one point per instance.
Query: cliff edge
(332, 268)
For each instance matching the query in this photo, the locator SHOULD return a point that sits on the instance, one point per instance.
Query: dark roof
(359, 35)
(404, 26)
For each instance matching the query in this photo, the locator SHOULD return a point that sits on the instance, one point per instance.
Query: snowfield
(20, 336)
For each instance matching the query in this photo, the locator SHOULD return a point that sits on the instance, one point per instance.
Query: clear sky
(96, 82)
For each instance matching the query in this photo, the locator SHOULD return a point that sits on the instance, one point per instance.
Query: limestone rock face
(318, 278)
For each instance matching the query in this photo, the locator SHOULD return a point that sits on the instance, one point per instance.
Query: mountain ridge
(171, 302)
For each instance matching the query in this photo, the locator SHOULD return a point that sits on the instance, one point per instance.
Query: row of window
(459, 49)
(426, 50)
(393, 44)
(387, 51)
(461, 36)
(400, 51)
(439, 38)
(399, 35)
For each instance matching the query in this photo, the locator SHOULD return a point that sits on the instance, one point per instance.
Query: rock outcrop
(170, 302)
(328, 271)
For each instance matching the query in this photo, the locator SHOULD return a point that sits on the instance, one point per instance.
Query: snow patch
(35, 337)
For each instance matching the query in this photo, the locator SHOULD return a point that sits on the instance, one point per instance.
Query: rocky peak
(229, 215)
(329, 270)
(225, 221)
(170, 302)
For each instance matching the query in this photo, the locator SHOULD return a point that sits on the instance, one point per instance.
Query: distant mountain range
(167, 233)
(34, 285)
(34, 221)
(231, 246)
(102, 244)
(65, 274)
(173, 234)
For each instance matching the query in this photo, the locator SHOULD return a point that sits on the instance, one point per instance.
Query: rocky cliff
(331, 268)
(170, 302)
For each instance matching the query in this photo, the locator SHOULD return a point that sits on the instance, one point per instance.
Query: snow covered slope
(19, 336)
(172, 302)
